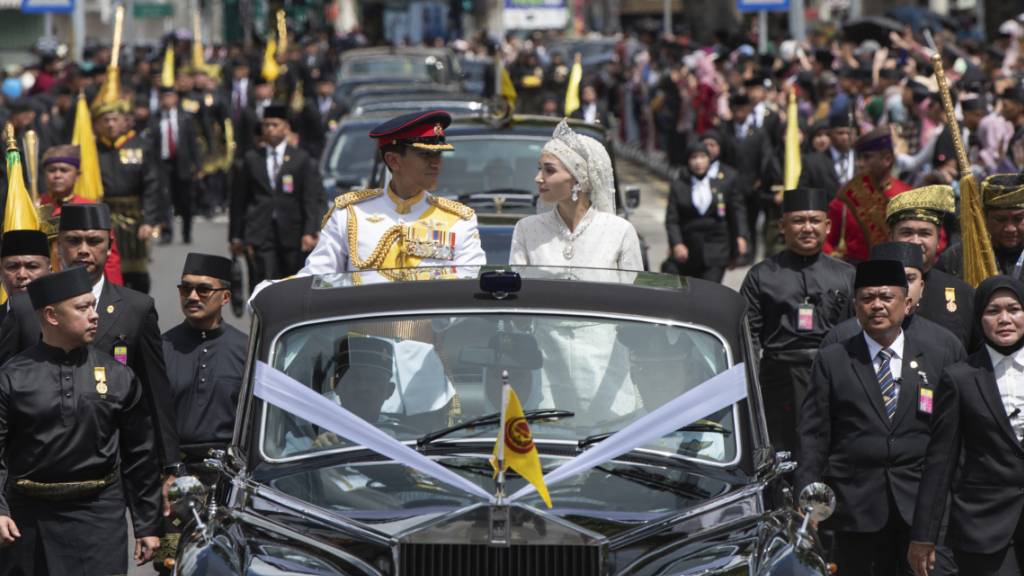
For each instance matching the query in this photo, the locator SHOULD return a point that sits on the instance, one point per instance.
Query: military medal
(721, 205)
(951, 299)
(99, 373)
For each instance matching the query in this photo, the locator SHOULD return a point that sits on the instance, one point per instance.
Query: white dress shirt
(895, 364)
(846, 172)
(168, 120)
(700, 193)
(275, 158)
(1009, 373)
(97, 289)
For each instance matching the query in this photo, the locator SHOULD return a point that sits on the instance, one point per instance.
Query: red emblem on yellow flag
(514, 447)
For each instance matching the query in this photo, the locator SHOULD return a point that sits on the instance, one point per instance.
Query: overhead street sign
(43, 6)
(762, 5)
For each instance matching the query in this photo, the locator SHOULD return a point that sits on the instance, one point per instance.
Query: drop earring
(575, 193)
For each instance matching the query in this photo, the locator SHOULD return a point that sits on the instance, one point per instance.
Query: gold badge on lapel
(913, 364)
(110, 308)
(951, 299)
(99, 373)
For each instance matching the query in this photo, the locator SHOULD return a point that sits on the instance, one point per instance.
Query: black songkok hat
(711, 134)
(910, 255)
(878, 273)
(840, 119)
(25, 243)
(697, 148)
(800, 199)
(973, 104)
(276, 111)
(217, 267)
(85, 217)
(59, 286)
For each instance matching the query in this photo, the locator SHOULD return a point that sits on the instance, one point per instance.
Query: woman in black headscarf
(977, 427)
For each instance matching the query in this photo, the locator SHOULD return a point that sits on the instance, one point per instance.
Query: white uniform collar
(97, 289)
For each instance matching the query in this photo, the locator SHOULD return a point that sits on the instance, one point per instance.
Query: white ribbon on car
(283, 391)
(709, 397)
(714, 394)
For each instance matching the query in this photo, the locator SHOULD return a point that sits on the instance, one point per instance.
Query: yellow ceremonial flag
(572, 91)
(515, 448)
(793, 166)
(505, 89)
(167, 74)
(271, 70)
(198, 56)
(19, 211)
(89, 184)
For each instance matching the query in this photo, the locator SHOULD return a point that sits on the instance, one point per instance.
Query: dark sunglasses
(202, 290)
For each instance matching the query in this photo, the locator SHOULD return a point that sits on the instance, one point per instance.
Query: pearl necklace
(569, 251)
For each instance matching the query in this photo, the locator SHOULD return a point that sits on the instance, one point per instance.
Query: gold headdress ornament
(927, 203)
(1002, 191)
(979, 258)
(109, 99)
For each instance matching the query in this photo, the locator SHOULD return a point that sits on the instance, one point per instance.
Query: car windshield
(351, 158)
(413, 375)
(411, 66)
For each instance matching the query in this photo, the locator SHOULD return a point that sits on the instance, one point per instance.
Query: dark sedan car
(369, 411)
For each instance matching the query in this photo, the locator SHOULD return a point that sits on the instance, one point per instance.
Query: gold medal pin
(99, 373)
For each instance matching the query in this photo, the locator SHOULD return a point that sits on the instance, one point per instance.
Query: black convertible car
(369, 411)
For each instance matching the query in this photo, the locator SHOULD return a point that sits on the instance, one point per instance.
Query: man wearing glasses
(205, 357)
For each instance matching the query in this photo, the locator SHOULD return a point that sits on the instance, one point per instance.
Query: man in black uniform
(24, 256)
(916, 216)
(131, 187)
(128, 327)
(278, 202)
(1003, 198)
(205, 358)
(76, 443)
(794, 298)
(864, 424)
(174, 139)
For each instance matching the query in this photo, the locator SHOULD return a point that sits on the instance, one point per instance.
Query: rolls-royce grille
(479, 560)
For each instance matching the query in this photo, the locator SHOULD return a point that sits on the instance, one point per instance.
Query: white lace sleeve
(630, 257)
(518, 255)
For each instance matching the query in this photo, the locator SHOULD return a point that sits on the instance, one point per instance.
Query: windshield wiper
(489, 419)
(703, 426)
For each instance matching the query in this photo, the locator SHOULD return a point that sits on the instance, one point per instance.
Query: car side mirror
(817, 501)
(632, 197)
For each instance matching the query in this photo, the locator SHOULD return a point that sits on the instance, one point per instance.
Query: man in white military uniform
(405, 226)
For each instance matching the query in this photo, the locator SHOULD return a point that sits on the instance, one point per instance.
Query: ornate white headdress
(588, 162)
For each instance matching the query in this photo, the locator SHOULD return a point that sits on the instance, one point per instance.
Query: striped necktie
(886, 382)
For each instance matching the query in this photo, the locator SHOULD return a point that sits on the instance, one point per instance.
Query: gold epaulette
(345, 200)
(448, 205)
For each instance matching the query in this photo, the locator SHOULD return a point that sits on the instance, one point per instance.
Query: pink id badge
(805, 318)
(925, 400)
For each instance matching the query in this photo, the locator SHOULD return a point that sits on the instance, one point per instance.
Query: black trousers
(273, 260)
(882, 553)
(182, 192)
(784, 384)
(1007, 562)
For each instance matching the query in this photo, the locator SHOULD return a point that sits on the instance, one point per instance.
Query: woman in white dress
(582, 231)
(575, 175)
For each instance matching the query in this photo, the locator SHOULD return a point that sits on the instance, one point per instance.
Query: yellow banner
(519, 452)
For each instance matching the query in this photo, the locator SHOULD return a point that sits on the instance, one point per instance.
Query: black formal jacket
(314, 127)
(949, 302)
(127, 319)
(710, 237)
(819, 171)
(255, 201)
(750, 156)
(186, 160)
(129, 168)
(848, 442)
(932, 336)
(972, 441)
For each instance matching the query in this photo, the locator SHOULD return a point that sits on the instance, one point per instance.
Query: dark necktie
(886, 382)
(172, 146)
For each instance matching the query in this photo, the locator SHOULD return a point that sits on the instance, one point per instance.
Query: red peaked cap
(417, 127)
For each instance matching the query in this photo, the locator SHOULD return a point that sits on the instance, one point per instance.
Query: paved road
(210, 236)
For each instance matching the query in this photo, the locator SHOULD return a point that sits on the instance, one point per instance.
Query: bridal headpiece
(588, 162)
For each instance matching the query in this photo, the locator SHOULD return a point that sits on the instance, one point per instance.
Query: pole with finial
(115, 49)
(12, 142)
(31, 154)
(282, 33)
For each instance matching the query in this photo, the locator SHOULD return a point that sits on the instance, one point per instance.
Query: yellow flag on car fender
(514, 447)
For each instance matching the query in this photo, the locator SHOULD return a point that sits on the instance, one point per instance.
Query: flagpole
(499, 494)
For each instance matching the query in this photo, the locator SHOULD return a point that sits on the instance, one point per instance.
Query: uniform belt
(61, 491)
(795, 356)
